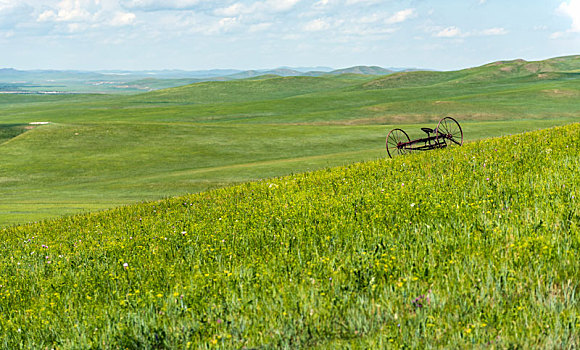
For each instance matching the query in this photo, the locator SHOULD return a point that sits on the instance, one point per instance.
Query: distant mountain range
(107, 81)
(10, 73)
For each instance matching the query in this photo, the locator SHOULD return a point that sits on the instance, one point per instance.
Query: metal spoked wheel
(448, 133)
(397, 143)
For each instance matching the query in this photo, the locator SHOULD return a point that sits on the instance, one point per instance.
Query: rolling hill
(101, 151)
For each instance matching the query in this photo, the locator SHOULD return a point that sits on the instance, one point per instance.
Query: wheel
(448, 133)
(396, 143)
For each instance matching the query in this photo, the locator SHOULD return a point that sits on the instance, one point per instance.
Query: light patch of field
(8, 179)
(561, 93)
(19, 213)
(396, 119)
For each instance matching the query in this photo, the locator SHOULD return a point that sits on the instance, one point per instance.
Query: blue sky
(254, 34)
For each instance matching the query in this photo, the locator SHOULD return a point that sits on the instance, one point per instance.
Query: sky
(260, 34)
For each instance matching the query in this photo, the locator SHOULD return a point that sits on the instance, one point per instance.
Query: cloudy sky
(253, 34)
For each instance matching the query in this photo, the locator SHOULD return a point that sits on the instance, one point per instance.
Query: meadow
(295, 230)
(474, 246)
(101, 151)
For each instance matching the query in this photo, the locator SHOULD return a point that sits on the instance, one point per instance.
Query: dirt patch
(377, 108)
(560, 93)
(537, 68)
(507, 69)
(500, 63)
(380, 120)
(532, 67)
(395, 119)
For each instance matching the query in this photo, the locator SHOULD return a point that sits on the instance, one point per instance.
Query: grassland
(467, 247)
(101, 151)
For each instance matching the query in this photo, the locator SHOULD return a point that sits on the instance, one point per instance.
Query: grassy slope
(207, 135)
(471, 246)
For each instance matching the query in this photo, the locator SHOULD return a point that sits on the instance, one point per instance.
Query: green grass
(106, 150)
(63, 169)
(465, 247)
(9, 131)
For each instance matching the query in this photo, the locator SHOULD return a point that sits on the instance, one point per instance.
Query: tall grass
(476, 246)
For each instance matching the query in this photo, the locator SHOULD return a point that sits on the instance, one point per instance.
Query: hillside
(101, 151)
(242, 91)
(495, 91)
(503, 72)
(475, 246)
(492, 91)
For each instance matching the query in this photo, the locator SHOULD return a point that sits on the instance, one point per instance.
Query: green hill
(388, 99)
(501, 72)
(469, 247)
(101, 151)
(254, 89)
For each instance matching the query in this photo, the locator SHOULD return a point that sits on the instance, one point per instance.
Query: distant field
(102, 151)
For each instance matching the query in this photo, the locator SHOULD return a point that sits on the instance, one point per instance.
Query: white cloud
(256, 8)
(402, 16)
(9, 7)
(316, 25)
(281, 5)
(85, 11)
(75, 10)
(123, 19)
(13, 13)
(494, 31)
(6, 35)
(321, 3)
(76, 27)
(358, 23)
(47, 15)
(355, 31)
(449, 32)
(374, 18)
(259, 27)
(174, 25)
(572, 10)
(227, 23)
(156, 5)
(357, 2)
(454, 32)
(74, 16)
(233, 10)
